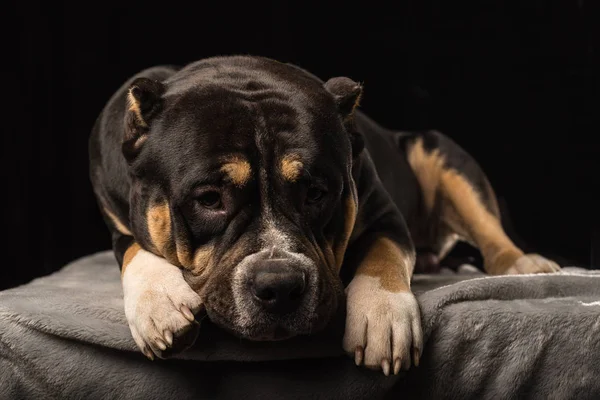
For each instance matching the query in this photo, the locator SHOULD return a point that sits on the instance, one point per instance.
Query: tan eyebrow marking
(291, 167)
(238, 170)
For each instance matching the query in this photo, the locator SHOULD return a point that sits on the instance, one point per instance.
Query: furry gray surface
(65, 336)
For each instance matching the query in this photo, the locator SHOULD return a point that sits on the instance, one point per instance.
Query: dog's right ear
(144, 102)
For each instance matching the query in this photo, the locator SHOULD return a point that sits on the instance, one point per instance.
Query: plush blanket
(65, 336)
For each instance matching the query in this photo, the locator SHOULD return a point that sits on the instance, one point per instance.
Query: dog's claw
(359, 355)
(385, 366)
(397, 365)
(168, 337)
(187, 313)
(148, 354)
(416, 357)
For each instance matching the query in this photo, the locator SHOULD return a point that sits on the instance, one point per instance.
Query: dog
(254, 192)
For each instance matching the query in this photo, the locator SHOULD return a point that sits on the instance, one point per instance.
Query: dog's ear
(144, 102)
(347, 95)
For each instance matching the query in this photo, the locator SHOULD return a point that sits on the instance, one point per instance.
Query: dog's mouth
(278, 333)
(260, 326)
(264, 328)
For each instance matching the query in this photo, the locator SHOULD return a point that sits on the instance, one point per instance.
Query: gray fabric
(65, 336)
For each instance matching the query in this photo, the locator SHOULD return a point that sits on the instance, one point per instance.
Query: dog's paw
(383, 329)
(159, 306)
(532, 264)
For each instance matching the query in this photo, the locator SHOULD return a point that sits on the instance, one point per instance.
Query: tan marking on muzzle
(128, 256)
(202, 259)
(184, 255)
(159, 228)
(291, 167)
(117, 222)
(390, 263)
(238, 170)
(198, 273)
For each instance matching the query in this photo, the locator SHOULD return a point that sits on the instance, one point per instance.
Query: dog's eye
(210, 200)
(314, 194)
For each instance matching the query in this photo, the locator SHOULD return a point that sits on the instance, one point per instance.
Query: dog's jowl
(247, 188)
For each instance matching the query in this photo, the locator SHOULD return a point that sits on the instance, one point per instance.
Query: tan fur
(184, 255)
(160, 230)
(462, 209)
(493, 202)
(158, 218)
(198, 273)
(349, 221)
(117, 222)
(427, 167)
(388, 262)
(128, 256)
(238, 170)
(159, 226)
(479, 224)
(134, 107)
(202, 259)
(291, 167)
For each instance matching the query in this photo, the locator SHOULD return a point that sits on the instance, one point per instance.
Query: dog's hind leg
(460, 203)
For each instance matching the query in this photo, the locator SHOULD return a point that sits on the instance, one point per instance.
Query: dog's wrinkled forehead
(214, 113)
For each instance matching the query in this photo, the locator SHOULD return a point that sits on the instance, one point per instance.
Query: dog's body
(254, 190)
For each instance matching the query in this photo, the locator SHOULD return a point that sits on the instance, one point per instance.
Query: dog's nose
(277, 286)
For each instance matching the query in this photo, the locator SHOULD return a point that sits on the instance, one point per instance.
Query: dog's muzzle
(275, 291)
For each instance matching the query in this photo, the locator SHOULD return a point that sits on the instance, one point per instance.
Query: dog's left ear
(347, 95)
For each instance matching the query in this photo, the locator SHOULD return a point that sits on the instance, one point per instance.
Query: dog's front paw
(159, 306)
(383, 328)
(532, 264)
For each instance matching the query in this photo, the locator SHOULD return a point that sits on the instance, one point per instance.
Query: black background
(515, 83)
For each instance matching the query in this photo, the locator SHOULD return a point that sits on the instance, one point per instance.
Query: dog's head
(241, 175)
